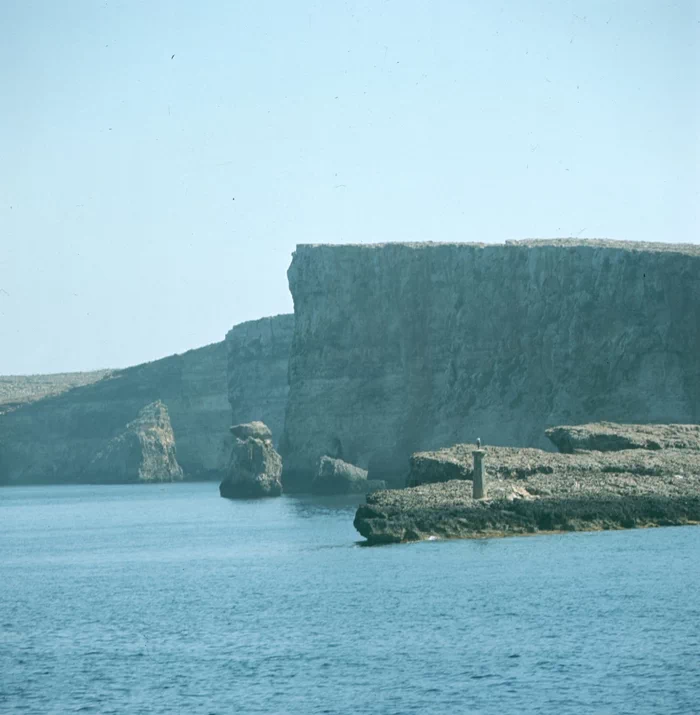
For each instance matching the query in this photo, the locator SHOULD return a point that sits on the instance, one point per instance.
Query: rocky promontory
(530, 491)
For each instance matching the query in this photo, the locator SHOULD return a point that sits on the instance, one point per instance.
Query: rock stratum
(607, 437)
(529, 491)
(406, 347)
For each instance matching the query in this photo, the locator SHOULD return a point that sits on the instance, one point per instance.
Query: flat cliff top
(689, 249)
(16, 390)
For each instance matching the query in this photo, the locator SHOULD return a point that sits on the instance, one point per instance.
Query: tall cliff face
(258, 358)
(401, 347)
(54, 439)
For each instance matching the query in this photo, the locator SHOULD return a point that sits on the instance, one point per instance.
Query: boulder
(258, 430)
(612, 437)
(143, 452)
(255, 468)
(334, 476)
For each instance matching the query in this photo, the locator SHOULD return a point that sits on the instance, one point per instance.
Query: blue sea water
(169, 599)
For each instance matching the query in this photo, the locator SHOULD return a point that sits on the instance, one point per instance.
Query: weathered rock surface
(54, 439)
(530, 490)
(519, 463)
(258, 430)
(258, 360)
(406, 347)
(608, 437)
(255, 468)
(143, 452)
(18, 390)
(334, 476)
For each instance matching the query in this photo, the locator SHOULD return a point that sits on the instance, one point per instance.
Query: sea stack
(143, 452)
(255, 468)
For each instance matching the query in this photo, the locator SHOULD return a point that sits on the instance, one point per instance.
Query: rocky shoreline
(531, 491)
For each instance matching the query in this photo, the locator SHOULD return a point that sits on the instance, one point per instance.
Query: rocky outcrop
(447, 510)
(334, 476)
(258, 358)
(143, 452)
(53, 439)
(406, 347)
(530, 490)
(608, 437)
(514, 463)
(439, 466)
(255, 468)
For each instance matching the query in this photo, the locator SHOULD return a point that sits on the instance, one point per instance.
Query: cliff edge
(406, 347)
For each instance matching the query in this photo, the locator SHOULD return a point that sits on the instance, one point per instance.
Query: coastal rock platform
(531, 491)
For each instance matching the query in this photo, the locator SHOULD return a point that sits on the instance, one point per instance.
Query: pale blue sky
(327, 122)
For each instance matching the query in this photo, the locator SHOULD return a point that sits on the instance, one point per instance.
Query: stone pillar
(479, 489)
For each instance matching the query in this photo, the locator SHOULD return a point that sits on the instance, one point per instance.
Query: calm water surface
(169, 599)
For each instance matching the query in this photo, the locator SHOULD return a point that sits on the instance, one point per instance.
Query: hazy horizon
(162, 161)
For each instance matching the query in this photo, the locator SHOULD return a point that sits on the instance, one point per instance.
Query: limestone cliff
(54, 439)
(403, 347)
(258, 357)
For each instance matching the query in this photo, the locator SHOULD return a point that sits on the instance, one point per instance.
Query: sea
(169, 599)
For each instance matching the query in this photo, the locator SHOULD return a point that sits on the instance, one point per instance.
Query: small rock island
(631, 484)
(255, 468)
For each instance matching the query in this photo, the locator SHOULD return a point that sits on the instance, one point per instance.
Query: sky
(159, 161)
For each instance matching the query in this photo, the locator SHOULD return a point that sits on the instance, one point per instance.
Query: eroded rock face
(258, 359)
(406, 347)
(334, 476)
(143, 452)
(255, 468)
(610, 437)
(54, 439)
